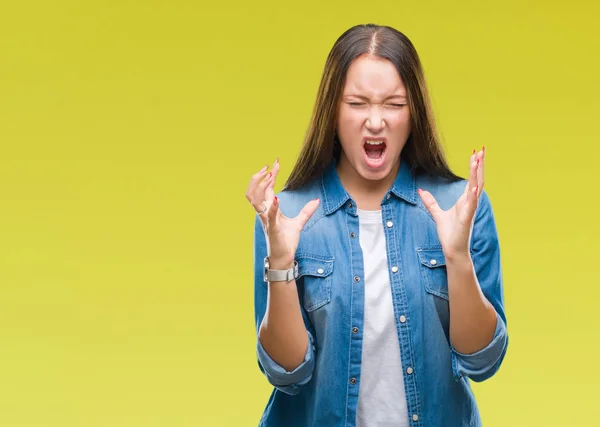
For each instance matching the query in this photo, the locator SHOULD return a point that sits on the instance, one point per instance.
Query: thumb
(431, 204)
(307, 211)
(272, 212)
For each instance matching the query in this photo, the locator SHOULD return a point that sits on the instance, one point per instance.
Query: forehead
(373, 76)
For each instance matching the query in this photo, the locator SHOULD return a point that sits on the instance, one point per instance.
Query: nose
(375, 122)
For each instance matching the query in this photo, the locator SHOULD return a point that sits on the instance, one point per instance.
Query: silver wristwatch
(280, 275)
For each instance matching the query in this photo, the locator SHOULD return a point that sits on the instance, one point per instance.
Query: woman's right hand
(282, 233)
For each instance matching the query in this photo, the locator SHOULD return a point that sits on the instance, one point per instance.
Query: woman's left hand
(455, 225)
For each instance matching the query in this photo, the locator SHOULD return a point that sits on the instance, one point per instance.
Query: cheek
(400, 123)
(349, 122)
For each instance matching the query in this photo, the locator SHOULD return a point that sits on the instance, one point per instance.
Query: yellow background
(129, 131)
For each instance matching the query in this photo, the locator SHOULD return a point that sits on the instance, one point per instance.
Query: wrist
(457, 257)
(281, 262)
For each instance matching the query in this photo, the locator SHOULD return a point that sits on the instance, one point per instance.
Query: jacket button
(320, 271)
(409, 370)
(390, 224)
(415, 417)
(402, 319)
(355, 330)
(356, 279)
(394, 269)
(352, 380)
(352, 235)
(433, 262)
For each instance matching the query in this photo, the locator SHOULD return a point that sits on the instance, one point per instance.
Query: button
(433, 262)
(353, 381)
(415, 417)
(388, 196)
(320, 271)
(352, 235)
(355, 330)
(394, 269)
(409, 370)
(356, 279)
(350, 205)
(402, 319)
(390, 224)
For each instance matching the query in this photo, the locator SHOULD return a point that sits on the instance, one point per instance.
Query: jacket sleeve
(485, 252)
(287, 382)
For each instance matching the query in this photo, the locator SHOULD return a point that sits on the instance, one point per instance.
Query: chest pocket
(433, 270)
(314, 272)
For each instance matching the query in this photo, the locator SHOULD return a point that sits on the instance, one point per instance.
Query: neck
(367, 193)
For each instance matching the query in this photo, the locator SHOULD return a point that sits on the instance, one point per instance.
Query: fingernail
(317, 199)
(419, 190)
(276, 199)
(265, 168)
(474, 151)
(277, 160)
(476, 188)
(477, 162)
(269, 176)
(483, 148)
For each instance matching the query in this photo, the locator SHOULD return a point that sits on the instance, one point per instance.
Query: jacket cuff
(482, 364)
(288, 382)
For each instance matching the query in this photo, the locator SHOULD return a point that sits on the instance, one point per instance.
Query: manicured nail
(276, 199)
(317, 199)
(277, 160)
(419, 190)
(476, 188)
(474, 151)
(477, 162)
(269, 176)
(483, 148)
(265, 168)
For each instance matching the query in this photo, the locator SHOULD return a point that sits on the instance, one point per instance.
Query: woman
(378, 286)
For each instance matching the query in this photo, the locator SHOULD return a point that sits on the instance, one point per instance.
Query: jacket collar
(335, 195)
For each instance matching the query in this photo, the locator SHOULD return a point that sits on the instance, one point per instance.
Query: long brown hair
(423, 150)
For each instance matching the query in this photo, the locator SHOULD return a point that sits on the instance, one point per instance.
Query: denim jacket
(323, 390)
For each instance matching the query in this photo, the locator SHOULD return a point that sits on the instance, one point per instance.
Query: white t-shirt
(382, 399)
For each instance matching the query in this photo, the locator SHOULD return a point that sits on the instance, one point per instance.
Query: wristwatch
(280, 275)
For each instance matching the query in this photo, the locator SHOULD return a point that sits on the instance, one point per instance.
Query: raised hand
(282, 233)
(455, 225)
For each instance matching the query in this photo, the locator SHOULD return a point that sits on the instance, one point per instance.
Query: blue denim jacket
(323, 390)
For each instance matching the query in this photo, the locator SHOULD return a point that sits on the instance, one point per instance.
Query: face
(373, 122)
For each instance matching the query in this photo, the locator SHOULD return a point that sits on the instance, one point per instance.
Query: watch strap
(280, 275)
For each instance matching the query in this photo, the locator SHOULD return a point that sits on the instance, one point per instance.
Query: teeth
(374, 142)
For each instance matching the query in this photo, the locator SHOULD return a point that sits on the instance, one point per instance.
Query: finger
(480, 172)
(473, 164)
(261, 190)
(272, 213)
(431, 204)
(254, 182)
(270, 191)
(472, 201)
(472, 161)
(307, 212)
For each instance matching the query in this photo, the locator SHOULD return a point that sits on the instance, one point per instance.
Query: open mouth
(374, 152)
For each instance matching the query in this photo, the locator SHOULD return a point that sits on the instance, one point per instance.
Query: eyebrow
(364, 97)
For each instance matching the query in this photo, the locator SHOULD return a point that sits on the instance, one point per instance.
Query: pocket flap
(431, 257)
(311, 265)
